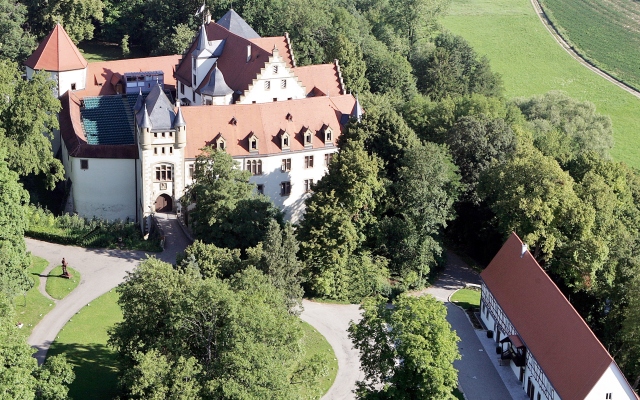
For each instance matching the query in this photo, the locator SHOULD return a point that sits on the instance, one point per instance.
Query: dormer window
(221, 144)
(289, 117)
(285, 140)
(233, 121)
(253, 143)
(328, 135)
(308, 138)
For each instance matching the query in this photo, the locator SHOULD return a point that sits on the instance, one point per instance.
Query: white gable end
(275, 81)
(611, 382)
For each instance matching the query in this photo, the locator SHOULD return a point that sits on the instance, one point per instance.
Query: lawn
(316, 345)
(466, 298)
(94, 51)
(59, 287)
(605, 32)
(32, 306)
(510, 34)
(84, 340)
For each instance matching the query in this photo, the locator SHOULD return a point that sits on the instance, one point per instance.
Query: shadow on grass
(465, 305)
(95, 369)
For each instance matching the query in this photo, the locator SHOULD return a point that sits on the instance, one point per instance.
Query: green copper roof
(108, 120)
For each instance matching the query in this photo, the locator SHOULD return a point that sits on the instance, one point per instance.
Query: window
(170, 134)
(163, 134)
(170, 149)
(194, 79)
(284, 141)
(181, 88)
(255, 167)
(283, 84)
(275, 69)
(163, 173)
(221, 144)
(163, 150)
(267, 85)
(155, 150)
(328, 135)
(84, 164)
(608, 396)
(307, 138)
(155, 134)
(253, 143)
(285, 188)
(191, 169)
(327, 159)
(308, 161)
(260, 189)
(194, 97)
(275, 99)
(286, 164)
(308, 185)
(73, 86)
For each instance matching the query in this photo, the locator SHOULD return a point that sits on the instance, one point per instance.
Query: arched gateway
(164, 203)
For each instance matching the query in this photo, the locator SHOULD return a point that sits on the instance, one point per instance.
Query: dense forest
(441, 159)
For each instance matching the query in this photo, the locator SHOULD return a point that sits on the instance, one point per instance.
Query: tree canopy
(406, 351)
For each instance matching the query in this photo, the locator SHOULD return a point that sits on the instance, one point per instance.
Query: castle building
(540, 336)
(130, 130)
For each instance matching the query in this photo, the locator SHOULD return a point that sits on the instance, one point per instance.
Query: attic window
(267, 85)
(253, 143)
(233, 121)
(283, 84)
(328, 135)
(284, 139)
(307, 138)
(275, 69)
(221, 144)
(73, 86)
(289, 117)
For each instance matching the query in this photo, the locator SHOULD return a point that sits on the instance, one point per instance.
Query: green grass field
(99, 51)
(466, 298)
(31, 307)
(59, 287)
(84, 340)
(531, 62)
(606, 32)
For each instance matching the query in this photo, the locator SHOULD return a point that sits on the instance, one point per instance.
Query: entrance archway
(164, 203)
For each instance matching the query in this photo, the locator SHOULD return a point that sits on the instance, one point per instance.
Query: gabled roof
(238, 72)
(267, 121)
(234, 23)
(324, 78)
(56, 52)
(568, 352)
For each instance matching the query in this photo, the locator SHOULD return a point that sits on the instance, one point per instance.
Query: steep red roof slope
(571, 356)
(103, 76)
(267, 121)
(324, 78)
(57, 53)
(238, 73)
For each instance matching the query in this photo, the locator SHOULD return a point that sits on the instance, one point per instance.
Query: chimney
(248, 52)
(524, 249)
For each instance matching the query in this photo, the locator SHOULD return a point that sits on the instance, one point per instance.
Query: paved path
(101, 270)
(332, 321)
(477, 377)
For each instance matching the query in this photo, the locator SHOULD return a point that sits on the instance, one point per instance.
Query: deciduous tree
(406, 351)
(17, 44)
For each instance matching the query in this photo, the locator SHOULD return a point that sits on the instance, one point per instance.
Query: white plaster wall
(106, 189)
(612, 381)
(272, 176)
(203, 66)
(79, 77)
(257, 92)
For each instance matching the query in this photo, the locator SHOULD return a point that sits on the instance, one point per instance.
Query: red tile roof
(324, 78)
(267, 121)
(56, 52)
(238, 73)
(103, 76)
(571, 356)
(75, 141)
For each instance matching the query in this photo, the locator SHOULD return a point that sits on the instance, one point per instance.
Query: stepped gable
(74, 137)
(267, 121)
(320, 80)
(56, 53)
(232, 62)
(234, 23)
(103, 77)
(572, 358)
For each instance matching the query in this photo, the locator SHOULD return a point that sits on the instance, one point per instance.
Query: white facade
(612, 383)
(65, 80)
(275, 82)
(95, 192)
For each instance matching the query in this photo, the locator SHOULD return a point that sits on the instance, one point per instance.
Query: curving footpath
(101, 271)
